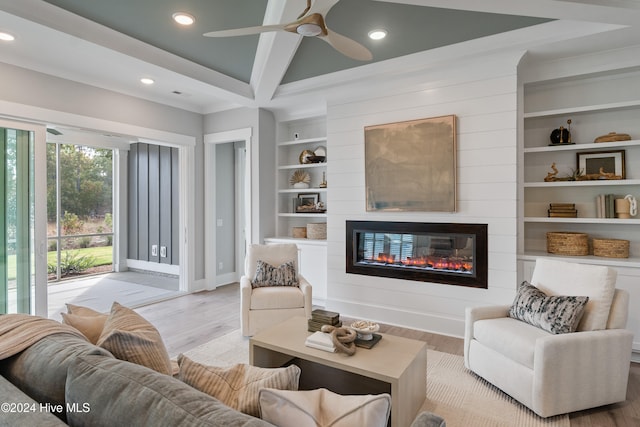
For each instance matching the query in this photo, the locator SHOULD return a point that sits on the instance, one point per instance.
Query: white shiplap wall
(483, 95)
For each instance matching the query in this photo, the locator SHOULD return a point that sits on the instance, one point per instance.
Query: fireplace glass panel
(453, 254)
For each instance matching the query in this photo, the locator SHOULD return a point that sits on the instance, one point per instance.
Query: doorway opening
(79, 211)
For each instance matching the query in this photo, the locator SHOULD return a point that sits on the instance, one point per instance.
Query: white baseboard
(225, 279)
(173, 270)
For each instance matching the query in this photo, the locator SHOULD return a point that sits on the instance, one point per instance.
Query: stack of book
(319, 318)
(562, 210)
(321, 341)
(605, 205)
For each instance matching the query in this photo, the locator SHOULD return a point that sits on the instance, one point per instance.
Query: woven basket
(299, 232)
(567, 243)
(611, 248)
(317, 230)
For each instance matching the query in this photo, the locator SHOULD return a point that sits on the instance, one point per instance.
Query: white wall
(484, 97)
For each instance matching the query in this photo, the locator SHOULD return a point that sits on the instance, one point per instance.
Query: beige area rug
(460, 397)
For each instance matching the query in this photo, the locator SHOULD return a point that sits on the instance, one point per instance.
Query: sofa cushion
(510, 337)
(237, 386)
(128, 336)
(120, 393)
(553, 313)
(567, 278)
(323, 408)
(276, 297)
(41, 370)
(22, 410)
(268, 275)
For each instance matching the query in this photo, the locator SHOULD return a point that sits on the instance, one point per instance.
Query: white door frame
(39, 305)
(210, 141)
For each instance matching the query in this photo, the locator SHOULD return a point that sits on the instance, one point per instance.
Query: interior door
(22, 219)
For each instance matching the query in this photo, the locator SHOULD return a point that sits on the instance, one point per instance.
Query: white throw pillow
(323, 408)
(568, 278)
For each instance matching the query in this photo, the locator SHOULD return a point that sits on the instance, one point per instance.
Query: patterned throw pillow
(237, 386)
(268, 275)
(129, 336)
(555, 314)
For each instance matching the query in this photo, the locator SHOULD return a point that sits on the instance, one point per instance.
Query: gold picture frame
(411, 166)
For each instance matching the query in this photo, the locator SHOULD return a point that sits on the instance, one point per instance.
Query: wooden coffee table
(395, 365)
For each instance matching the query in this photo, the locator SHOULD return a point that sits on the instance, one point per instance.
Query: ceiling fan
(310, 23)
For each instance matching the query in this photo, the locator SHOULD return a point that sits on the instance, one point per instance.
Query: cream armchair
(556, 374)
(265, 306)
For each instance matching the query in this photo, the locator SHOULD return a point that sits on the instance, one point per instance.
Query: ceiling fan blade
(347, 46)
(322, 7)
(245, 31)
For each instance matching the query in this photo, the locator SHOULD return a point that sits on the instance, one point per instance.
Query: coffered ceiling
(112, 44)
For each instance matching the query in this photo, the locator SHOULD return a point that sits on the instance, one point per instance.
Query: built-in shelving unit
(294, 137)
(596, 105)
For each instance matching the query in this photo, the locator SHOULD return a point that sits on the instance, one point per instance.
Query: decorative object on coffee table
(342, 338)
(365, 329)
(320, 317)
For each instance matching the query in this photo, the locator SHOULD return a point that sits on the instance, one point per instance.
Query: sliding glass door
(19, 262)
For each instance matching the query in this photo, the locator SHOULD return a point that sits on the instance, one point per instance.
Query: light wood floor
(188, 321)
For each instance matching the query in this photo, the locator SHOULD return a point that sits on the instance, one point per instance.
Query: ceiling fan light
(183, 18)
(309, 30)
(6, 37)
(377, 34)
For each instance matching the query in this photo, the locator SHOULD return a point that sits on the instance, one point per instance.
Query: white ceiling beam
(275, 49)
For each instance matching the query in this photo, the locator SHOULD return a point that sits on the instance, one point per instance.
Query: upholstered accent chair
(263, 305)
(556, 373)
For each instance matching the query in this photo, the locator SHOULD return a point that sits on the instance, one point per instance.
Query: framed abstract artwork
(411, 166)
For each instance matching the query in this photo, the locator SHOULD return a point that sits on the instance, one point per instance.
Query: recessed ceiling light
(183, 18)
(6, 37)
(378, 34)
(147, 81)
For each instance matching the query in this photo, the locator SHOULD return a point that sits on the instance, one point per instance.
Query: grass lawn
(103, 256)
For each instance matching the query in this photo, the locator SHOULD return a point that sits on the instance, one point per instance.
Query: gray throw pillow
(268, 275)
(555, 314)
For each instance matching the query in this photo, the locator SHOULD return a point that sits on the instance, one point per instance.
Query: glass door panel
(17, 219)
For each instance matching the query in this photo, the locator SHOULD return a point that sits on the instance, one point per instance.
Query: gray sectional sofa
(63, 379)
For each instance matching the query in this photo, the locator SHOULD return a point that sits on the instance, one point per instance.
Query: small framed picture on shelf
(309, 203)
(595, 165)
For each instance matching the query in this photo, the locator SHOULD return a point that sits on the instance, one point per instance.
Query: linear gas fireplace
(454, 254)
